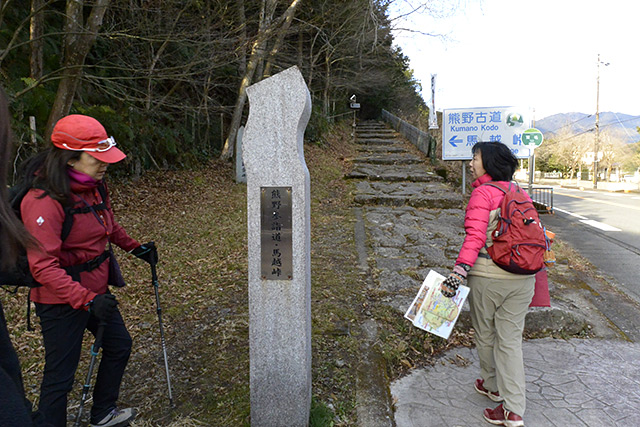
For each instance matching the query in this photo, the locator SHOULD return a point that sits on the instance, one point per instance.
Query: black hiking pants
(62, 330)
(15, 410)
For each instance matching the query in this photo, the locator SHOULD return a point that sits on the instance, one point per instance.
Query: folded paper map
(432, 311)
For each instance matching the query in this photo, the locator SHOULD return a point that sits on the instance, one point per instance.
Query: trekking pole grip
(95, 348)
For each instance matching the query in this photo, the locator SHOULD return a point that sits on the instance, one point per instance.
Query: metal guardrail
(542, 198)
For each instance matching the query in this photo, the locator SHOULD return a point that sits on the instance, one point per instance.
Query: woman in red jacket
(498, 299)
(72, 265)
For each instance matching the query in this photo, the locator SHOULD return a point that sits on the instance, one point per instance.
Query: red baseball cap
(77, 132)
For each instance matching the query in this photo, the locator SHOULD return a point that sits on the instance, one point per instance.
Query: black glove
(103, 306)
(147, 252)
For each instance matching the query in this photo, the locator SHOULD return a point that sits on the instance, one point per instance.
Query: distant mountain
(622, 124)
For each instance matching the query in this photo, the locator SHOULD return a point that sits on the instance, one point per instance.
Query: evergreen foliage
(163, 76)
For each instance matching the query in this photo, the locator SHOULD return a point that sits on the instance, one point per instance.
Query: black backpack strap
(70, 212)
(75, 270)
(103, 193)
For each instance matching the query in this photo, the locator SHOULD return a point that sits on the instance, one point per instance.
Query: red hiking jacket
(87, 239)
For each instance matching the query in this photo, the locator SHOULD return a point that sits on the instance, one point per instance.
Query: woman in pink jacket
(499, 300)
(71, 262)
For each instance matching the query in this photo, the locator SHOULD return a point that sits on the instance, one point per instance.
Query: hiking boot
(501, 417)
(116, 418)
(493, 395)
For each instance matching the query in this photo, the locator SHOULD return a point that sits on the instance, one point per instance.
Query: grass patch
(198, 220)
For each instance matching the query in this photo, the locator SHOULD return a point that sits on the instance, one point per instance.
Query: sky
(538, 54)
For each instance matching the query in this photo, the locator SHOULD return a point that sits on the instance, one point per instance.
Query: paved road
(603, 228)
(615, 214)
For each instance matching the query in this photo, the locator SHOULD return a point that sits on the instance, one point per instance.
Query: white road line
(599, 225)
(570, 213)
(613, 194)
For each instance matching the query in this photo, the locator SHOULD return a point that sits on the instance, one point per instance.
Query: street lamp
(597, 141)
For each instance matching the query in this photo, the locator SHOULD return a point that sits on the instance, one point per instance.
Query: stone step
(415, 173)
(382, 149)
(374, 129)
(372, 126)
(377, 141)
(388, 159)
(390, 134)
(418, 195)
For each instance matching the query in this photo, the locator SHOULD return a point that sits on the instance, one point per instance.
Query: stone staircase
(413, 220)
(391, 174)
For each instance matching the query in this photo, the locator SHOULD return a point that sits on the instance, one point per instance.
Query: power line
(618, 121)
(571, 124)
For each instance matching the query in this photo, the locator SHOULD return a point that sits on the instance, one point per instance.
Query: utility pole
(597, 141)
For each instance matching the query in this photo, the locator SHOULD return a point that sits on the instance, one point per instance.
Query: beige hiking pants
(498, 309)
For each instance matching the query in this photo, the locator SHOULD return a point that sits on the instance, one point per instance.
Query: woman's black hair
(48, 171)
(497, 159)
(13, 236)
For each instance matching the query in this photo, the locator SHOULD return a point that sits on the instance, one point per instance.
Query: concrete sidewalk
(569, 383)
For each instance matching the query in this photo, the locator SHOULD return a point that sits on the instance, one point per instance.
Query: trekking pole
(154, 279)
(87, 382)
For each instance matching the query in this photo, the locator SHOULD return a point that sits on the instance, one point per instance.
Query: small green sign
(532, 137)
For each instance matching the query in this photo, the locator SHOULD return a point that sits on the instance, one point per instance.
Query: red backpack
(519, 241)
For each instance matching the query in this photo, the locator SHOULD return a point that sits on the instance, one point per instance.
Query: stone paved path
(410, 215)
(571, 383)
(410, 222)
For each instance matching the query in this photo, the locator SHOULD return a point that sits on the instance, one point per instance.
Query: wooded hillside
(167, 77)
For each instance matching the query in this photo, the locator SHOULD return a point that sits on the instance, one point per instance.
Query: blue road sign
(462, 128)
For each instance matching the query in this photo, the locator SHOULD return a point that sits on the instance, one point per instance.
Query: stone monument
(278, 203)
(241, 173)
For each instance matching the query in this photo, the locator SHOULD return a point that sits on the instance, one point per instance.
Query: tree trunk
(327, 84)
(282, 32)
(266, 18)
(242, 22)
(257, 55)
(77, 43)
(158, 55)
(35, 35)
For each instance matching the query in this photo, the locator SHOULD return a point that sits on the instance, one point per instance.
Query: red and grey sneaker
(493, 395)
(502, 417)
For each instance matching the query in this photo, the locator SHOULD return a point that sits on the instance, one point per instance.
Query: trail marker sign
(532, 138)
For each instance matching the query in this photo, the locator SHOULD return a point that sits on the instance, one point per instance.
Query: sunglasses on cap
(101, 146)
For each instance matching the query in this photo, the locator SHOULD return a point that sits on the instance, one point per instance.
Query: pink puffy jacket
(484, 199)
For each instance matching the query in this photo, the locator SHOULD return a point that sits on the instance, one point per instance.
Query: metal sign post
(355, 107)
(464, 179)
(532, 138)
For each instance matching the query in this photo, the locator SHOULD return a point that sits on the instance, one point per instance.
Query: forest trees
(167, 77)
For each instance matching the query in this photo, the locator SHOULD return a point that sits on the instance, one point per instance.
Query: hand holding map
(432, 311)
